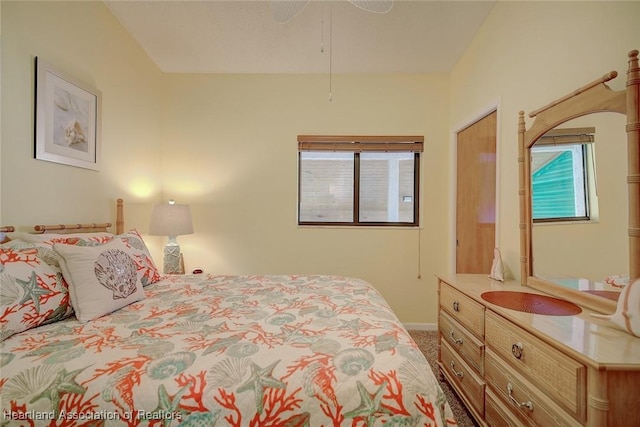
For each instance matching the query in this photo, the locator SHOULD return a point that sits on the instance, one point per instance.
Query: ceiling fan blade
(285, 10)
(377, 6)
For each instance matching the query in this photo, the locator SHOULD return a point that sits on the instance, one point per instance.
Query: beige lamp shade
(170, 220)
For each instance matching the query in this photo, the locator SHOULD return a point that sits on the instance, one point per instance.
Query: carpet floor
(428, 343)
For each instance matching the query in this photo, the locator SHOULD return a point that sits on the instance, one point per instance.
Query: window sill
(362, 227)
(552, 223)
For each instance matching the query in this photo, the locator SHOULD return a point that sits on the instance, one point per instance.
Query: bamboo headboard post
(633, 149)
(522, 196)
(119, 216)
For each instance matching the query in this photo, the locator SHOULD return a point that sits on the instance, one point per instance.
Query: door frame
(490, 108)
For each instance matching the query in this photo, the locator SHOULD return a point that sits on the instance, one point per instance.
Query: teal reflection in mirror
(561, 179)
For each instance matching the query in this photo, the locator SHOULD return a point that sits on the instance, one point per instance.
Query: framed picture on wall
(67, 119)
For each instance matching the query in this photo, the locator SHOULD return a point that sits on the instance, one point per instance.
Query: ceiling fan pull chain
(330, 54)
(322, 33)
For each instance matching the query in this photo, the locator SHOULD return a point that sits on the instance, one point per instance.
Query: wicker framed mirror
(592, 98)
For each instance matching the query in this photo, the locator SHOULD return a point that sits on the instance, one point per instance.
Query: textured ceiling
(415, 36)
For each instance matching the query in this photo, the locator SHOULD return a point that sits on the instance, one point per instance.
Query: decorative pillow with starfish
(32, 289)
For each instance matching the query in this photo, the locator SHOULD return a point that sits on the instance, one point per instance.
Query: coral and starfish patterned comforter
(226, 351)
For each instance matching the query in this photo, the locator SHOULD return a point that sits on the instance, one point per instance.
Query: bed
(199, 350)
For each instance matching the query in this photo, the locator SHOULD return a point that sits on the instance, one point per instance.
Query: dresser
(513, 368)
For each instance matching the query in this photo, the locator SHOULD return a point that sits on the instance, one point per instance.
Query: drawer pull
(458, 374)
(456, 306)
(454, 339)
(517, 350)
(520, 405)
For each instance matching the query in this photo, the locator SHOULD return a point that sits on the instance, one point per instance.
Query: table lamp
(171, 220)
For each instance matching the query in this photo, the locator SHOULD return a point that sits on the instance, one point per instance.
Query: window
(362, 181)
(560, 175)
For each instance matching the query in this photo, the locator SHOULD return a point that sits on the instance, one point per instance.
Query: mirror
(560, 247)
(571, 259)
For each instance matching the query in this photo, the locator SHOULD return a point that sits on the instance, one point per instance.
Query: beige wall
(1, 115)
(85, 41)
(231, 152)
(526, 55)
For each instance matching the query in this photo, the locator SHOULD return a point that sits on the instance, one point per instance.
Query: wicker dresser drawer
(562, 378)
(466, 345)
(464, 377)
(465, 310)
(531, 405)
(496, 414)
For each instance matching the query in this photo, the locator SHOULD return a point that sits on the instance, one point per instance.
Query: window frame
(358, 145)
(574, 137)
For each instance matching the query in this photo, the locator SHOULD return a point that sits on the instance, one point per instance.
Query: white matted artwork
(67, 128)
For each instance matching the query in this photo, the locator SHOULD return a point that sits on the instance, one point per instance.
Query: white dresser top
(593, 341)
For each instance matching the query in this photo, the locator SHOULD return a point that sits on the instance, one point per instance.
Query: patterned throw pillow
(32, 289)
(102, 279)
(146, 267)
(132, 238)
(81, 239)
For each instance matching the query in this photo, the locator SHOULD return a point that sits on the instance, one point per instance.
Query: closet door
(476, 196)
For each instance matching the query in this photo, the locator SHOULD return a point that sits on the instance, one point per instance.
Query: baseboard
(421, 326)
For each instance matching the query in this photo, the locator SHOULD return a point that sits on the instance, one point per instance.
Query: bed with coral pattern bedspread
(229, 351)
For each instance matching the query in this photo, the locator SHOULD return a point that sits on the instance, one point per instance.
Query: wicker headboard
(85, 228)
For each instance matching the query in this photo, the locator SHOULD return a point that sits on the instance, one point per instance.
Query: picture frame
(67, 119)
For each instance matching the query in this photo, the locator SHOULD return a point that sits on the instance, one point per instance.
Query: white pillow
(101, 279)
